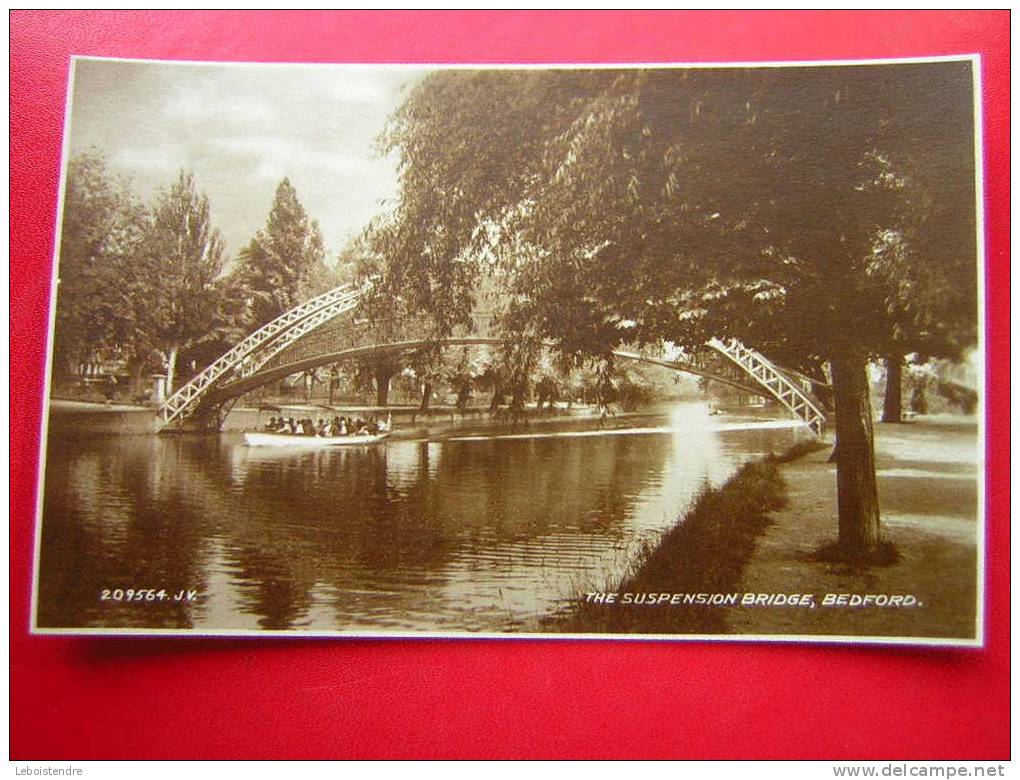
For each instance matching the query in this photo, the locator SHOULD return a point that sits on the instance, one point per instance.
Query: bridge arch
(267, 355)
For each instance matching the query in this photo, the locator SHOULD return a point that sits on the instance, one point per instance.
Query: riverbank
(928, 492)
(760, 532)
(705, 553)
(70, 418)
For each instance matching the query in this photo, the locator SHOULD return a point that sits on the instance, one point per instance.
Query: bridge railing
(178, 403)
(783, 388)
(293, 335)
(252, 354)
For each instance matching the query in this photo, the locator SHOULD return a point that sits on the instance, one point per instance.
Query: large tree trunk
(497, 399)
(892, 404)
(517, 400)
(138, 384)
(426, 397)
(464, 395)
(171, 371)
(383, 374)
(859, 530)
(918, 402)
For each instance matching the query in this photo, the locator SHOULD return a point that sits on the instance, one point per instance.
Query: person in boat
(334, 426)
(323, 428)
(271, 426)
(310, 429)
(385, 425)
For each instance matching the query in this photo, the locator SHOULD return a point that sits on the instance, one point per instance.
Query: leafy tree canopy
(100, 233)
(805, 210)
(175, 288)
(282, 258)
(821, 214)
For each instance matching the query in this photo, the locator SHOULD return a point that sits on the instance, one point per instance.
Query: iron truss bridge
(327, 329)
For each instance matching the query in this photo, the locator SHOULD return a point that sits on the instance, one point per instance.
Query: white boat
(265, 439)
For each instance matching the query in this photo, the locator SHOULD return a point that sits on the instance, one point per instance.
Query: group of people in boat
(338, 426)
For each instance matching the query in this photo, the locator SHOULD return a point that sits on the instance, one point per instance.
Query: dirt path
(928, 491)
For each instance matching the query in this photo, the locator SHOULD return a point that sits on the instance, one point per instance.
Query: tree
(100, 231)
(382, 319)
(175, 291)
(281, 259)
(427, 364)
(931, 308)
(461, 374)
(393, 311)
(228, 324)
(680, 204)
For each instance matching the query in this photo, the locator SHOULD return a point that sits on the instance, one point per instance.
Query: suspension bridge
(327, 329)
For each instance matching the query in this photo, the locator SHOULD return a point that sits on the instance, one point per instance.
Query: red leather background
(180, 698)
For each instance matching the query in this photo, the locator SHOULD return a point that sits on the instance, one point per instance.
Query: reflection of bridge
(325, 330)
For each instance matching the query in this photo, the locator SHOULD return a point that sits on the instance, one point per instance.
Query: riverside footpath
(928, 492)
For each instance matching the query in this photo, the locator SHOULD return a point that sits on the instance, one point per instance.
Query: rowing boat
(264, 439)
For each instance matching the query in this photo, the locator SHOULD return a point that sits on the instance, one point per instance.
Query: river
(478, 528)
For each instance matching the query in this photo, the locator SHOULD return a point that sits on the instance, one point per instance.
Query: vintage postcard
(682, 351)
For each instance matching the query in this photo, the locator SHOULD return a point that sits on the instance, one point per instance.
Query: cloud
(194, 107)
(163, 160)
(241, 129)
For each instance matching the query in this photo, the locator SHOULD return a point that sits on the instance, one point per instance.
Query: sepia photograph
(677, 351)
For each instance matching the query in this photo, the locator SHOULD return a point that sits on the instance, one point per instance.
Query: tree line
(150, 287)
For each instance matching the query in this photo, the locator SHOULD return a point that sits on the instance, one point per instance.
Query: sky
(241, 129)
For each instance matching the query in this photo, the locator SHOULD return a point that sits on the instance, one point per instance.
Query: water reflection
(482, 529)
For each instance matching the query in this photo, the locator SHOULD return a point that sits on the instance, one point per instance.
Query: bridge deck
(326, 330)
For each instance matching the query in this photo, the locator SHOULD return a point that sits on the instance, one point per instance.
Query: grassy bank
(927, 473)
(705, 552)
(761, 532)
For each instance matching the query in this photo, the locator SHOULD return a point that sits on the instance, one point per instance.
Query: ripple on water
(482, 531)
